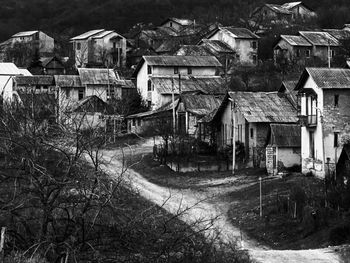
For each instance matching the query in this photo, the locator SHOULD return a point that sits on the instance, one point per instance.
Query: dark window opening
(189, 70)
(336, 139)
(81, 94)
(307, 53)
(254, 44)
(251, 133)
(78, 46)
(138, 122)
(312, 144)
(298, 53)
(133, 122)
(67, 93)
(176, 70)
(149, 85)
(149, 69)
(336, 100)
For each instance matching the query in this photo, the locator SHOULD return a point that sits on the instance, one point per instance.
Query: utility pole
(260, 180)
(173, 100)
(233, 138)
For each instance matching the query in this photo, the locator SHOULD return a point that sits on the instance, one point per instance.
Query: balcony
(308, 120)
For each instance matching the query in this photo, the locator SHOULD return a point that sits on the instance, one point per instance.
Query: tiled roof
(168, 46)
(240, 32)
(339, 34)
(268, 107)
(201, 104)
(214, 85)
(68, 81)
(291, 5)
(193, 50)
(87, 34)
(296, 40)
(217, 46)
(194, 61)
(279, 9)
(319, 38)
(329, 78)
(181, 21)
(35, 80)
(97, 76)
(285, 135)
(25, 33)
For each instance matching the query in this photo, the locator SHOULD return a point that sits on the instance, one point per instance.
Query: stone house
(324, 116)
(99, 48)
(157, 76)
(284, 148)
(251, 113)
(241, 40)
(36, 40)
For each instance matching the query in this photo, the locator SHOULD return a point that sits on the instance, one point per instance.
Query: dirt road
(202, 208)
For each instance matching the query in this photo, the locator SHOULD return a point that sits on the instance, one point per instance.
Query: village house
(288, 12)
(283, 151)
(99, 48)
(324, 116)
(176, 23)
(241, 40)
(251, 114)
(35, 40)
(157, 77)
(309, 46)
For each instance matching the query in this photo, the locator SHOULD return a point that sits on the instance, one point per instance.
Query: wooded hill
(65, 18)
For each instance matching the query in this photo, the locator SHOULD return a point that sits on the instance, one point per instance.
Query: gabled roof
(164, 108)
(200, 104)
(217, 45)
(46, 60)
(24, 72)
(102, 34)
(279, 9)
(296, 40)
(339, 34)
(87, 34)
(269, 107)
(288, 87)
(181, 21)
(8, 68)
(212, 85)
(46, 80)
(291, 5)
(240, 32)
(193, 50)
(25, 33)
(90, 104)
(97, 76)
(319, 38)
(72, 81)
(285, 135)
(326, 78)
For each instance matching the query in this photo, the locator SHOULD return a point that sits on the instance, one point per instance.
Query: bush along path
(198, 207)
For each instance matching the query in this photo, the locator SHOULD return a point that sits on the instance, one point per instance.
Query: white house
(241, 40)
(99, 47)
(156, 76)
(325, 119)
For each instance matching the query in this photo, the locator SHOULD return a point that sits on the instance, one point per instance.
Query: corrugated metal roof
(46, 80)
(25, 33)
(240, 32)
(340, 34)
(166, 107)
(268, 107)
(319, 38)
(285, 135)
(193, 50)
(214, 85)
(201, 104)
(125, 83)
(7, 68)
(330, 78)
(103, 34)
(97, 76)
(296, 40)
(68, 81)
(217, 45)
(87, 34)
(194, 61)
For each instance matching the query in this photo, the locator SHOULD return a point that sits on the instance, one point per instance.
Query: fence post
(2, 243)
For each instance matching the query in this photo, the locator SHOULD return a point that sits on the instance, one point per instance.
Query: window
(81, 94)
(312, 144)
(138, 122)
(176, 70)
(171, 24)
(251, 133)
(332, 53)
(78, 46)
(298, 53)
(149, 85)
(254, 45)
(133, 122)
(149, 70)
(255, 59)
(307, 53)
(67, 93)
(336, 100)
(189, 71)
(336, 139)
(149, 104)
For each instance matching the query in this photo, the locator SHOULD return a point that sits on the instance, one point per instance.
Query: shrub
(339, 234)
